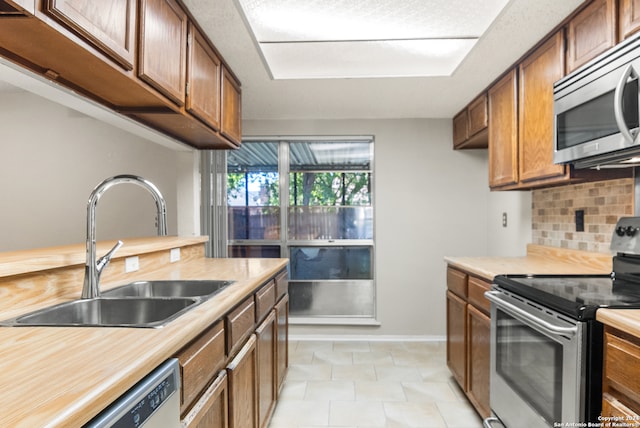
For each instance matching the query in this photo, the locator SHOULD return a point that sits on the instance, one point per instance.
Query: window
(310, 200)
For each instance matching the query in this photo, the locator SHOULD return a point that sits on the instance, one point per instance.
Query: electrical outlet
(174, 255)
(131, 264)
(504, 219)
(579, 220)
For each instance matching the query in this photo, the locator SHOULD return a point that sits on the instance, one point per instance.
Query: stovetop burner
(577, 296)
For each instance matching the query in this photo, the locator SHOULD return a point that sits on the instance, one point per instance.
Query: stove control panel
(626, 236)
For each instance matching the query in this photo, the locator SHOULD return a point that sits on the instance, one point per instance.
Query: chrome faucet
(93, 268)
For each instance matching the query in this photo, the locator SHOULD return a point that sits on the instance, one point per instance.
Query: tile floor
(361, 384)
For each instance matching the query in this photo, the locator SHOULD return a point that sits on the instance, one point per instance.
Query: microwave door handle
(522, 315)
(629, 73)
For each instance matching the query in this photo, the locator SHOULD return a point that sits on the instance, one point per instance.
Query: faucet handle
(103, 261)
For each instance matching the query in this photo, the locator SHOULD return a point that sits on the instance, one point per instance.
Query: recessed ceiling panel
(291, 33)
(365, 59)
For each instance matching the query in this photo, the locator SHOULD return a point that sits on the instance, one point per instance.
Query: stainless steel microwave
(596, 114)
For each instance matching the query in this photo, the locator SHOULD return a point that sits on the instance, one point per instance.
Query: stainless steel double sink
(137, 304)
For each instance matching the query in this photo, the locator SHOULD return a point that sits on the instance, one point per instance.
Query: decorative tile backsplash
(554, 214)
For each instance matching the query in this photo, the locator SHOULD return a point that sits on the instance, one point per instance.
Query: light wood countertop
(547, 260)
(62, 377)
(539, 260)
(39, 259)
(627, 320)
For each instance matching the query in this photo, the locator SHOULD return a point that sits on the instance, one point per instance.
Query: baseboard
(365, 338)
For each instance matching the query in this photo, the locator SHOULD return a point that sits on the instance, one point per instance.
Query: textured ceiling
(518, 27)
(366, 38)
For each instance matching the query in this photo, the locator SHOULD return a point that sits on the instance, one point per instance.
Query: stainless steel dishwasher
(154, 402)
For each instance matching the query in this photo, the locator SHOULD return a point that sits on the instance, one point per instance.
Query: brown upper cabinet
(145, 59)
(503, 131)
(629, 18)
(591, 32)
(537, 74)
(204, 74)
(521, 121)
(109, 25)
(231, 121)
(163, 47)
(470, 125)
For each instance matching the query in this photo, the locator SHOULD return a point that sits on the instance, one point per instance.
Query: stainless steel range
(546, 345)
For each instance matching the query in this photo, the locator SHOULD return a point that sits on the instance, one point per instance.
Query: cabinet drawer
(622, 369)
(612, 407)
(211, 410)
(199, 362)
(282, 284)
(457, 282)
(265, 299)
(476, 290)
(240, 324)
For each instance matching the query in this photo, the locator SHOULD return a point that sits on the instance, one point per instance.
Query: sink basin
(171, 288)
(101, 312)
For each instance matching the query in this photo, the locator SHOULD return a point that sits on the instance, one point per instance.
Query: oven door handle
(511, 309)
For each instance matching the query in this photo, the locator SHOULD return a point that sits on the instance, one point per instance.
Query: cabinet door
(109, 25)
(629, 18)
(282, 349)
(266, 344)
(203, 79)
(163, 45)
(211, 409)
(503, 131)
(591, 32)
(231, 122)
(478, 119)
(538, 72)
(243, 387)
(479, 334)
(460, 128)
(457, 338)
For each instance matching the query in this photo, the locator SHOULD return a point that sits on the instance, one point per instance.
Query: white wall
(509, 241)
(52, 158)
(430, 201)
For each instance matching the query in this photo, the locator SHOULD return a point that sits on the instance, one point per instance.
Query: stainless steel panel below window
(331, 298)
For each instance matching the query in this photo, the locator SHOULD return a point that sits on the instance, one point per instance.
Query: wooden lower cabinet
(211, 410)
(621, 380)
(456, 338)
(469, 337)
(232, 373)
(243, 387)
(266, 344)
(282, 341)
(479, 350)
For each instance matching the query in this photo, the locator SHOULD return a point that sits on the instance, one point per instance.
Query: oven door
(537, 364)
